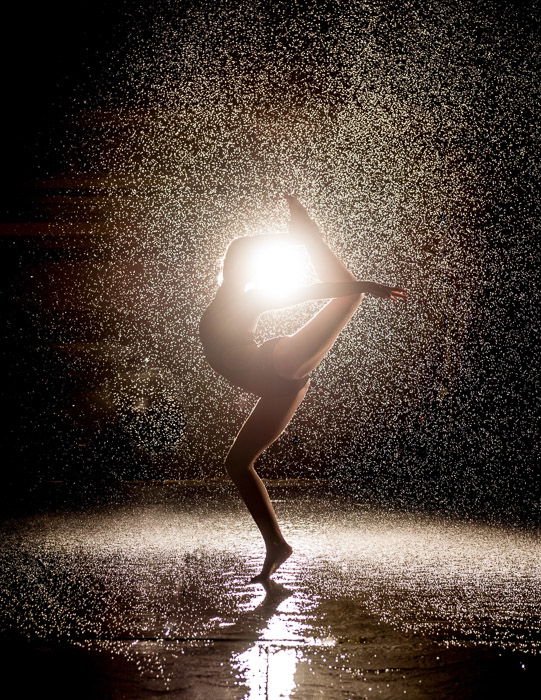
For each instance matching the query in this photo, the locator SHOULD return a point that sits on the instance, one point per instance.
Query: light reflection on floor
(267, 671)
(268, 667)
(161, 591)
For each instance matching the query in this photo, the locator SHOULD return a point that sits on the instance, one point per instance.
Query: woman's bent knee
(234, 464)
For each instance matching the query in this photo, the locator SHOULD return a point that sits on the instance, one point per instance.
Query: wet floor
(149, 598)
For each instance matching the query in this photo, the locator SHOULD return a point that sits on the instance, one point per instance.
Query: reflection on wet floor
(154, 598)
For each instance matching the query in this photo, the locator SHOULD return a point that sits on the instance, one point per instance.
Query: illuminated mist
(407, 130)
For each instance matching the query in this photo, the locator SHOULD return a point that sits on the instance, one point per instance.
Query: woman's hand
(383, 291)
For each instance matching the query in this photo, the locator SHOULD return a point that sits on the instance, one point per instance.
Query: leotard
(227, 334)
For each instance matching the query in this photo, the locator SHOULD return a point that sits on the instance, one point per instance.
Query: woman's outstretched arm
(332, 290)
(325, 290)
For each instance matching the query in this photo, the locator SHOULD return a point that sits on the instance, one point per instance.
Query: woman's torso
(227, 333)
(227, 318)
(227, 330)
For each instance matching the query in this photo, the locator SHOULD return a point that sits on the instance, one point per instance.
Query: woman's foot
(275, 557)
(301, 225)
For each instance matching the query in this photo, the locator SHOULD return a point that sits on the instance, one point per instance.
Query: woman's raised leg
(297, 355)
(265, 424)
(328, 266)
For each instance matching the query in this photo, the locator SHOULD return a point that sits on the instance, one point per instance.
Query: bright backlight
(277, 268)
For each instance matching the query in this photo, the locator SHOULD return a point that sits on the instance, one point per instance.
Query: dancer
(278, 370)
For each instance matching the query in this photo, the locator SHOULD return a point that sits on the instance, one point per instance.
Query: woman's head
(236, 261)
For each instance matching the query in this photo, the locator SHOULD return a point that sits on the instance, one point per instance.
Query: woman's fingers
(399, 294)
(396, 293)
(385, 291)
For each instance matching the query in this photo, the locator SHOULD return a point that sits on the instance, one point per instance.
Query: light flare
(278, 268)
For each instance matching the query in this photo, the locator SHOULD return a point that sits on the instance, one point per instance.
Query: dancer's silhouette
(276, 371)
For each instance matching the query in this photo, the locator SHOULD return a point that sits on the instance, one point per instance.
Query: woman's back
(227, 319)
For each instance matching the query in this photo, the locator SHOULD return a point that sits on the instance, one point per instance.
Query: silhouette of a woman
(276, 371)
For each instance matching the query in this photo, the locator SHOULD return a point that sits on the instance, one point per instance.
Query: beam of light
(277, 268)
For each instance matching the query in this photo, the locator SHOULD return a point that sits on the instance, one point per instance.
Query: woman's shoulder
(216, 305)
(226, 300)
(213, 312)
(208, 313)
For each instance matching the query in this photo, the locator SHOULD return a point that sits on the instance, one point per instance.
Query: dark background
(59, 60)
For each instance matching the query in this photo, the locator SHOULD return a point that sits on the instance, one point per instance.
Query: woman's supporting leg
(265, 424)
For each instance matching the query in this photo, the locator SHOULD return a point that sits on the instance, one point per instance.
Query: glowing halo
(277, 268)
